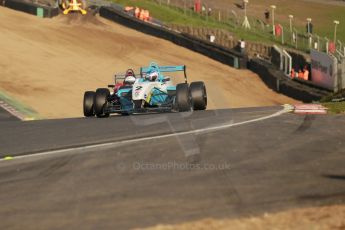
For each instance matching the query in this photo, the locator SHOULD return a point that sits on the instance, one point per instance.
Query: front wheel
(183, 98)
(88, 103)
(101, 101)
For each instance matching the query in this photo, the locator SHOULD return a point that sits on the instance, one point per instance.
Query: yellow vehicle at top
(73, 5)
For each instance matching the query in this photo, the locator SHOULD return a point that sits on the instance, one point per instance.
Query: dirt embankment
(321, 218)
(49, 63)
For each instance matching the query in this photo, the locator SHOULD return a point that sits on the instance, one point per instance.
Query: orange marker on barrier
(147, 15)
(137, 12)
(141, 15)
(144, 15)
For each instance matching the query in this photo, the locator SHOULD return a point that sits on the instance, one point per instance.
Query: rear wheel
(183, 98)
(101, 101)
(88, 103)
(199, 96)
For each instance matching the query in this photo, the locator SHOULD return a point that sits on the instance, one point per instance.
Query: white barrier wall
(324, 70)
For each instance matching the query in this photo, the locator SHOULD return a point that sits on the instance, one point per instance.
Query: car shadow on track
(334, 176)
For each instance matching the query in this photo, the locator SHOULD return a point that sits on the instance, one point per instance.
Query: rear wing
(122, 76)
(118, 77)
(164, 69)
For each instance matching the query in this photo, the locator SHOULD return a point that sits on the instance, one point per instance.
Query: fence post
(326, 44)
(282, 35)
(206, 12)
(340, 45)
(292, 37)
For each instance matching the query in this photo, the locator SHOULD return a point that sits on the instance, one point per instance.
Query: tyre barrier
(276, 80)
(31, 8)
(221, 54)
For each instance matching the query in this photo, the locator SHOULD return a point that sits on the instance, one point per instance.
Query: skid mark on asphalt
(109, 145)
(334, 176)
(47, 171)
(318, 197)
(306, 124)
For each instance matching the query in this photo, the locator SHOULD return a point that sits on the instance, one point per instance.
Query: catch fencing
(289, 36)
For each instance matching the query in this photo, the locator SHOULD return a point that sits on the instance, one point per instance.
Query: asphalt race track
(64, 177)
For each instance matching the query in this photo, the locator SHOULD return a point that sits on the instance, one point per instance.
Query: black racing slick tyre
(88, 104)
(100, 102)
(138, 104)
(183, 98)
(199, 96)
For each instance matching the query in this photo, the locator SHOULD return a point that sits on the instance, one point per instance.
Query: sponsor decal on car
(137, 90)
(148, 98)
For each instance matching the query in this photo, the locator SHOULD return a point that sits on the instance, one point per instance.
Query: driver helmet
(129, 80)
(152, 76)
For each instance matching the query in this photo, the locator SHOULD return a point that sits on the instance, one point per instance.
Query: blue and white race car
(148, 91)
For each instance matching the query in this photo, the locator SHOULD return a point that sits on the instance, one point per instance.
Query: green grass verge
(176, 15)
(335, 107)
(26, 111)
(173, 15)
